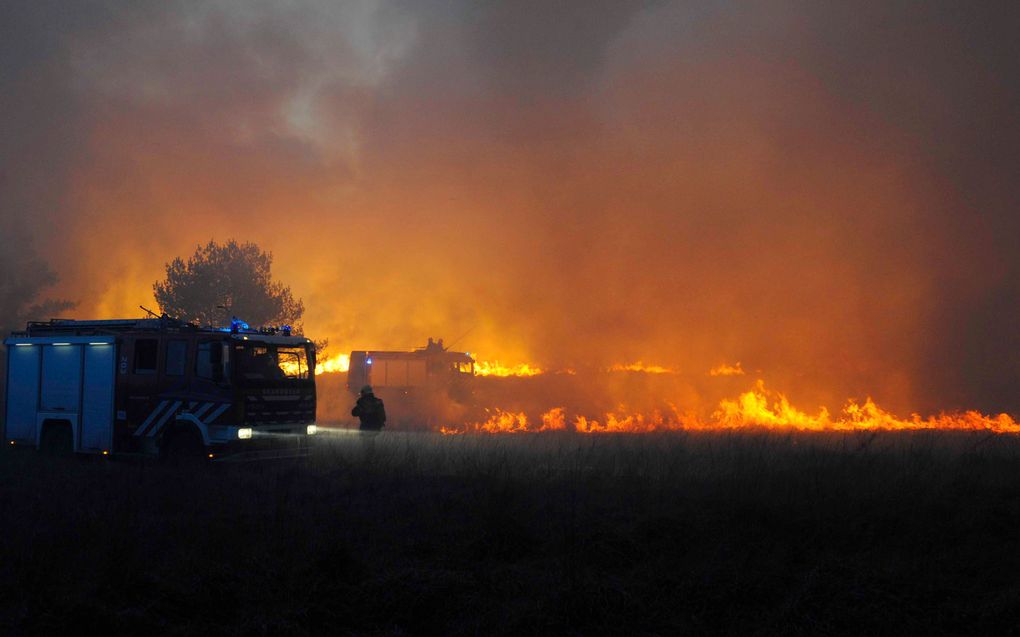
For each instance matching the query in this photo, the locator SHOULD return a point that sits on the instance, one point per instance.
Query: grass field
(567, 534)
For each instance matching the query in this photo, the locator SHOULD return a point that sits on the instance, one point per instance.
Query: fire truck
(417, 386)
(160, 386)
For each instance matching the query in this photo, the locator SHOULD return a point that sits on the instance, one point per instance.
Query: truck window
(267, 361)
(293, 362)
(146, 353)
(176, 357)
(209, 360)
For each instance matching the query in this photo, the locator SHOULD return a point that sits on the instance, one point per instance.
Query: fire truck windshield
(268, 362)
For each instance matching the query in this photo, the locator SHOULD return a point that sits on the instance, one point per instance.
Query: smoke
(826, 193)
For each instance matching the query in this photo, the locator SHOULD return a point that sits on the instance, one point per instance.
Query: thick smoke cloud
(826, 193)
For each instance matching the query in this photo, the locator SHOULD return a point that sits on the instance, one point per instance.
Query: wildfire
(758, 408)
(641, 367)
(495, 368)
(628, 423)
(754, 408)
(338, 363)
(501, 421)
(727, 370)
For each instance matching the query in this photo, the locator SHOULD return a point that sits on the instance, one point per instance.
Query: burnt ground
(568, 534)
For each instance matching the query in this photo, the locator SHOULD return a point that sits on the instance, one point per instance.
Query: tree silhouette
(220, 281)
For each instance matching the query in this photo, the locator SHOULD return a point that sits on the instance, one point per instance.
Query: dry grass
(422, 534)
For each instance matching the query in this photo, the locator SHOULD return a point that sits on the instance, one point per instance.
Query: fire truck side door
(208, 377)
(175, 365)
(143, 377)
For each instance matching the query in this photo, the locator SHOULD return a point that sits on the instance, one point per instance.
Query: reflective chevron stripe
(161, 415)
(162, 421)
(152, 416)
(216, 414)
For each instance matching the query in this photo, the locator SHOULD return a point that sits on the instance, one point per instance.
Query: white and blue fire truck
(160, 386)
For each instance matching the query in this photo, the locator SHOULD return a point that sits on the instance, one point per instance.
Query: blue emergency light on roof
(369, 361)
(285, 330)
(237, 325)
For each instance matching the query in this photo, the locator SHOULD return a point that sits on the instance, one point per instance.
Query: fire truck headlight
(311, 429)
(244, 433)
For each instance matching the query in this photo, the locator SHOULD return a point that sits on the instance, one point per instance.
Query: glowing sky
(828, 193)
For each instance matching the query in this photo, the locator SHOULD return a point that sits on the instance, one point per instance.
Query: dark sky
(827, 192)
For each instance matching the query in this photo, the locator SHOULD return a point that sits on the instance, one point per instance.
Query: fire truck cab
(160, 386)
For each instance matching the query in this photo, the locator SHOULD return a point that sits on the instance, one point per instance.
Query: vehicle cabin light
(60, 344)
(244, 433)
(98, 343)
(312, 429)
(23, 344)
(105, 452)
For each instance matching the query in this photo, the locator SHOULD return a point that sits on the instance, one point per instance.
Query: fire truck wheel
(57, 440)
(182, 445)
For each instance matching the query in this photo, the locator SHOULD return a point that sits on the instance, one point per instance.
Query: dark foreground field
(420, 534)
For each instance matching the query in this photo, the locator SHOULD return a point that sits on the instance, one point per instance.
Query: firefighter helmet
(367, 389)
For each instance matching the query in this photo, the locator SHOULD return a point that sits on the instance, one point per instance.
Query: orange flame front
(641, 367)
(758, 408)
(501, 421)
(495, 368)
(338, 363)
(727, 370)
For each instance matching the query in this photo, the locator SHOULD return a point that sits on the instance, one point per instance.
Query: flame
(503, 421)
(495, 368)
(758, 408)
(727, 370)
(553, 420)
(753, 409)
(641, 367)
(338, 363)
(630, 423)
(499, 421)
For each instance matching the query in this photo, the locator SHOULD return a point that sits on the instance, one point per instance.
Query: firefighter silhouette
(370, 410)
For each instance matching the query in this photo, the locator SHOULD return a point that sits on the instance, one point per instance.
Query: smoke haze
(827, 193)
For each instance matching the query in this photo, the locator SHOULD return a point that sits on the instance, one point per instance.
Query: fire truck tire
(182, 444)
(56, 439)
